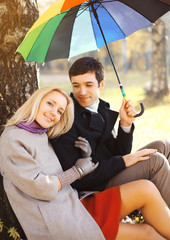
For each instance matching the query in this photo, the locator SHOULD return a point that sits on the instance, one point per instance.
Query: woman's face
(51, 108)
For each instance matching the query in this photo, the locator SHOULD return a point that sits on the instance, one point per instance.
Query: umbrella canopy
(69, 28)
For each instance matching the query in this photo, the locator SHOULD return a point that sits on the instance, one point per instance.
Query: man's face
(86, 89)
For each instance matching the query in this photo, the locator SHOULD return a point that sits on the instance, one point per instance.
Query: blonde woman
(40, 192)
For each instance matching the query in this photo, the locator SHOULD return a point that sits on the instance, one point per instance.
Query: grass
(153, 124)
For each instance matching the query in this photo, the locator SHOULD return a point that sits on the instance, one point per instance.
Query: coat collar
(79, 109)
(108, 115)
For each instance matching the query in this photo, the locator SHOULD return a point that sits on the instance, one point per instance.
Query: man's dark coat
(106, 149)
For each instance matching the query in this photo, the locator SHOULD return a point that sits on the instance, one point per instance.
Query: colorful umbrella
(66, 30)
(70, 28)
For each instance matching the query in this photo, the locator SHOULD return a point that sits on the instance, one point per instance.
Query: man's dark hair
(85, 65)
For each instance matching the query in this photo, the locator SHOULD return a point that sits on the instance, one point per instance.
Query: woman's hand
(85, 166)
(84, 145)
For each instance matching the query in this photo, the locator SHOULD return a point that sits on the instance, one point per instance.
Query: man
(95, 121)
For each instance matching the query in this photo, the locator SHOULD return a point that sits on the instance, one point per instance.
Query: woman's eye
(50, 103)
(60, 112)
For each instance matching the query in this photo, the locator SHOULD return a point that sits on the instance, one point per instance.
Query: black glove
(84, 145)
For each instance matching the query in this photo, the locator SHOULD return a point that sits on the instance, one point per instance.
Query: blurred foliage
(43, 5)
(11, 231)
(136, 217)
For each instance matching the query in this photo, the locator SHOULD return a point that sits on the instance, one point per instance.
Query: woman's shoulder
(12, 132)
(9, 138)
(14, 138)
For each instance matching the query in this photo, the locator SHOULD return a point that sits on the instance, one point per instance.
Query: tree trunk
(159, 85)
(18, 80)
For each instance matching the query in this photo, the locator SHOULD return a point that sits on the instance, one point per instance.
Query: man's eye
(89, 85)
(75, 86)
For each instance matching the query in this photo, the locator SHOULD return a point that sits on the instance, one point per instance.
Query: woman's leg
(143, 194)
(137, 232)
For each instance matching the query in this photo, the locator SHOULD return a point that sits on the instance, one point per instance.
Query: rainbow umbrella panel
(70, 28)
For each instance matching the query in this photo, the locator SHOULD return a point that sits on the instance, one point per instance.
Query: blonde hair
(28, 111)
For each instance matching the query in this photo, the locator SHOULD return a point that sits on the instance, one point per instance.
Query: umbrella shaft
(122, 90)
(97, 19)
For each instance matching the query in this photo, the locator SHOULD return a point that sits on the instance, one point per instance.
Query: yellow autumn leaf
(1, 226)
(13, 233)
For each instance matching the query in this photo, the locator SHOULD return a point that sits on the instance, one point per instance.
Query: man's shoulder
(104, 104)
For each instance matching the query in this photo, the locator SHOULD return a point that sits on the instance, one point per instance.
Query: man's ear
(102, 84)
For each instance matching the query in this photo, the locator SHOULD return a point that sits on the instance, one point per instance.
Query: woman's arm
(19, 166)
(82, 167)
(25, 173)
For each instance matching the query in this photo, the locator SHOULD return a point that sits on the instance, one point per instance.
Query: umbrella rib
(83, 10)
(102, 6)
(114, 19)
(98, 5)
(73, 10)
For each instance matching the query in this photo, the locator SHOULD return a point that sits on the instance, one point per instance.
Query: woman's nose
(53, 111)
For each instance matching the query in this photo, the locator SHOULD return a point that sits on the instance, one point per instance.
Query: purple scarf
(33, 127)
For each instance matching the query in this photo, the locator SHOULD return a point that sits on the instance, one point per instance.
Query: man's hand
(138, 156)
(84, 145)
(127, 112)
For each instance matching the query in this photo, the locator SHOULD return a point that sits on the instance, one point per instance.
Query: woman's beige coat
(29, 167)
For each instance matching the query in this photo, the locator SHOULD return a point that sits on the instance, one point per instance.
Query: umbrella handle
(141, 104)
(141, 111)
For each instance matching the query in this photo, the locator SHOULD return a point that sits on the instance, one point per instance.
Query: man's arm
(121, 143)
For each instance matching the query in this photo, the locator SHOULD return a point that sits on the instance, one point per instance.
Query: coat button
(84, 116)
